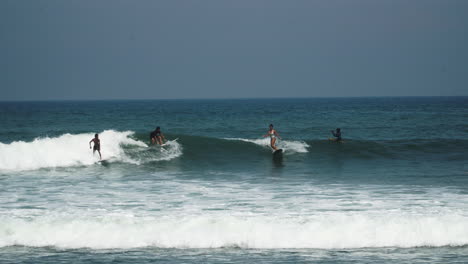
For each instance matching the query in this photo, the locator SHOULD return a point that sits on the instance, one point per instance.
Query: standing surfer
(157, 136)
(97, 145)
(273, 135)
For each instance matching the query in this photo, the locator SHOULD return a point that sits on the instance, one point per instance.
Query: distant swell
(440, 149)
(73, 150)
(453, 149)
(322, 232)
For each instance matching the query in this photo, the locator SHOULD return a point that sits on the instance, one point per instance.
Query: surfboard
(165, 144)
(103, 162)
(278, 151)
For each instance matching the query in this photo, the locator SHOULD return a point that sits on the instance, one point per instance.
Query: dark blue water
(361, 118)
(394, 191)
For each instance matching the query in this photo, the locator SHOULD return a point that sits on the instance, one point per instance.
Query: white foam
(172, 149)
(209, 231)
(63, 151)
(287, 145)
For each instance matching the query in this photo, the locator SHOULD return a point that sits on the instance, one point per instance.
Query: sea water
(394, 191)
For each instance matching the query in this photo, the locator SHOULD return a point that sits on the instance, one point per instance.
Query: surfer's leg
(272, 142)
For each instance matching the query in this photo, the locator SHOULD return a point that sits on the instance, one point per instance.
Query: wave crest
(322, 232)
(73, 150)
(287, 145)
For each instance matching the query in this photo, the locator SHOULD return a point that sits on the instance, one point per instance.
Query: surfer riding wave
(273, 136)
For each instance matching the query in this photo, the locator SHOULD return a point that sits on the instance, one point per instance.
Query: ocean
(394, 191)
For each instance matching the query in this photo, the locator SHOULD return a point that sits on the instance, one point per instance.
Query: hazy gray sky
(110, 49)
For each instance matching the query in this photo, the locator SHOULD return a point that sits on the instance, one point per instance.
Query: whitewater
(73, 150)
(325, 232)
(246, 216)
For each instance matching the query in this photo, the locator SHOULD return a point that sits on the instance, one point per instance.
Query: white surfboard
(165, 144)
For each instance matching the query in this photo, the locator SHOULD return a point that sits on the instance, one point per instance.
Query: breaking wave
(208, 231)
(287, 145)
(73, 150)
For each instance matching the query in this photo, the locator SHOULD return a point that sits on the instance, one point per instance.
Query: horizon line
(226, 98)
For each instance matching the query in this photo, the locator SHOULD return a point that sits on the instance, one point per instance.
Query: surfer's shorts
(98, 148)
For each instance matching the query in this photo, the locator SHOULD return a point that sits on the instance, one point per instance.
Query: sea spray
(326, 231)
(290, 146)
(73, 150)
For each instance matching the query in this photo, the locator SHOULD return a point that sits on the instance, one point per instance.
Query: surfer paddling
(273, 135)
(97, 145)
(157, 136)
(337, 135)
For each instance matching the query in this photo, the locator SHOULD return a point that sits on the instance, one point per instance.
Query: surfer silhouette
(337, 135)
(157, 136)
(97, 145)
(273, 135)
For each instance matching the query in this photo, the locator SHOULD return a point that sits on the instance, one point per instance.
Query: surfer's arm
(90, 142)
(277, 135)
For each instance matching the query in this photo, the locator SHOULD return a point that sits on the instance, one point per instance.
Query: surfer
(273, 135)
(157, 136)
(97, 145)
(337, 135)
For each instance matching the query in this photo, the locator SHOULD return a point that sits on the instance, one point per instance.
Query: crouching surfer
(157, 136)
(97, 145)
(337, 135)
